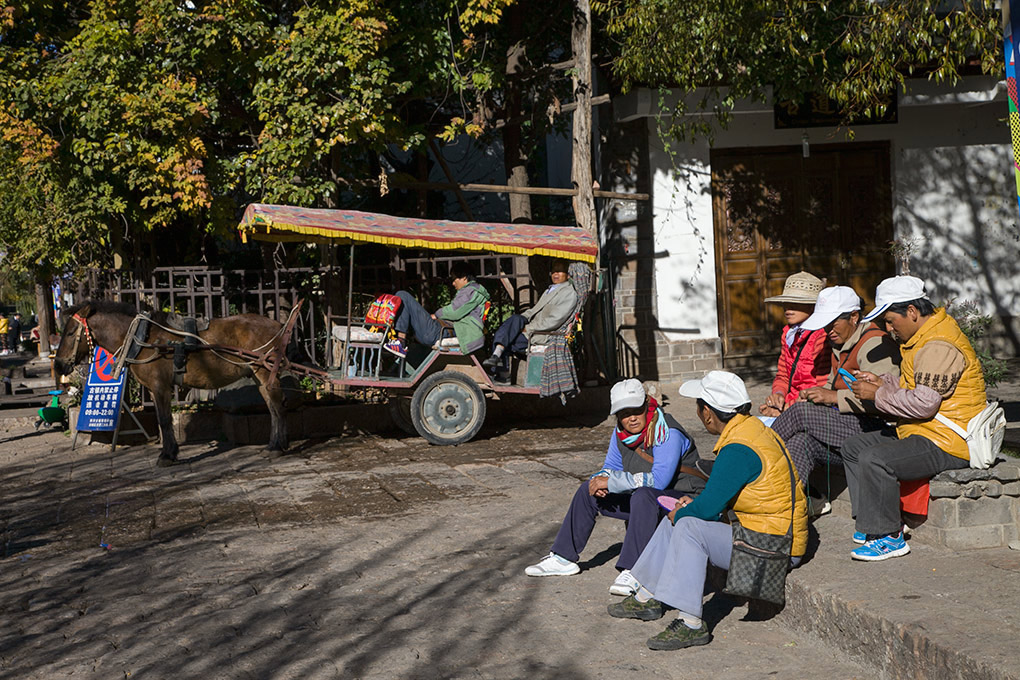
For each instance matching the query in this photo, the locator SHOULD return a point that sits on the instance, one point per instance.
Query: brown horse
(105, 324)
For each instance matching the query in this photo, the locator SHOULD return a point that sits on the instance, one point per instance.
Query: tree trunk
(44, 311)
(515, 157)
(581, 173)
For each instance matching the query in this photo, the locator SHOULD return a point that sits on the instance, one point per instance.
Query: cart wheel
(400, 413)
(448, 408)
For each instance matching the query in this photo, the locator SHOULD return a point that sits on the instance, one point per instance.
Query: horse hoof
(165, 461)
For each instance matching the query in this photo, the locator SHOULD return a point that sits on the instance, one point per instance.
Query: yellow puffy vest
(764, 504)
(967, 400)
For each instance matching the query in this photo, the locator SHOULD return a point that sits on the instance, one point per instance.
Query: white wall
(953, 192)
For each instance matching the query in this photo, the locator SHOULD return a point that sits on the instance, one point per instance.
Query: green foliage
(856, 52)
(141, 127)
(975, 325)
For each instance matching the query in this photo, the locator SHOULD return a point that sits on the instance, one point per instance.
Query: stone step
(935, 613)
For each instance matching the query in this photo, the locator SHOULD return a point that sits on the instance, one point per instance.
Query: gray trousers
(875, 463)
(673, 564)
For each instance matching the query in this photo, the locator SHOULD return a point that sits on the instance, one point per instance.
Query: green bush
(974, 325)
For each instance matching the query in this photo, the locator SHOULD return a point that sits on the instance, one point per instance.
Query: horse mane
(102, 307)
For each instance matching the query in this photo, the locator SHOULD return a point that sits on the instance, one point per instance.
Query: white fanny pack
(983, 435)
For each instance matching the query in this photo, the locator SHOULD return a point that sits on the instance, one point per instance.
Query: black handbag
(759, 562)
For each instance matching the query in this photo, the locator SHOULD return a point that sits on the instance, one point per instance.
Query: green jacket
(465, 311)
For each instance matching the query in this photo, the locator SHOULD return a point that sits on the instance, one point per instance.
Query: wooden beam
(595, 101)
(503, 189)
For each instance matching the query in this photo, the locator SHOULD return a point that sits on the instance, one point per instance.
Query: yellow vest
(967, 400)
(3, 325)
(763, 504)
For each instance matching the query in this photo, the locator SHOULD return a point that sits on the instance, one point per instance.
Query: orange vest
(966, 401)
(763, 504)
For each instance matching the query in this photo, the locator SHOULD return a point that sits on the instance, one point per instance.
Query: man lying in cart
(465, 314)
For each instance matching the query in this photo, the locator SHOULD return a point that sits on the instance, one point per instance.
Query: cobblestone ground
(374, 556)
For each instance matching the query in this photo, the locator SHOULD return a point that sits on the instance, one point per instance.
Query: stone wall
(974, 508)
(645, 347)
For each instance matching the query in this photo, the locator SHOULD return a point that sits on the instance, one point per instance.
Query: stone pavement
(383, 557)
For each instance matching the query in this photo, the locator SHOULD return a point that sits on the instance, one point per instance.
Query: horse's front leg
(273, 394)
(168, 454)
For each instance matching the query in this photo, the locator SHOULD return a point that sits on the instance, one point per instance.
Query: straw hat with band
(801, 288)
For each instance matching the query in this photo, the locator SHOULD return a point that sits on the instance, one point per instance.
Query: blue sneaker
(859, 537)
(881, 549)
(396, 346)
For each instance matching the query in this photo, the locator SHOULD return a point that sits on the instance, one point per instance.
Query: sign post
(102, 399)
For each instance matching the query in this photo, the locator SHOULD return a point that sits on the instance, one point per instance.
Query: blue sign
(102, 396)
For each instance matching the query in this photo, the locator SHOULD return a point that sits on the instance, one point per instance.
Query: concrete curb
(927, 615)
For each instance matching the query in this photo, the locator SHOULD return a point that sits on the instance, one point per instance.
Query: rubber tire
(448, 408)
(400, 413)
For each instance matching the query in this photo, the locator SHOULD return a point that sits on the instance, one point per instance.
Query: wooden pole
(581, 174)
(397, 181)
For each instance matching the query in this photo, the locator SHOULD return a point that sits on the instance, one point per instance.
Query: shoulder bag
(759, 562)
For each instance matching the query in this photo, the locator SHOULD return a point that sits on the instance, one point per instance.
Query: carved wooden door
(777, 213)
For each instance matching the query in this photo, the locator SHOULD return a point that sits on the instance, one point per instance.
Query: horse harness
(270, 355)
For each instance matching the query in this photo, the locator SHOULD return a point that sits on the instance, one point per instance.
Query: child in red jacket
(805, 357)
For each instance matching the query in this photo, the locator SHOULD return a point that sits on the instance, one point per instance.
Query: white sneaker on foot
(625, 584)
(553, 565)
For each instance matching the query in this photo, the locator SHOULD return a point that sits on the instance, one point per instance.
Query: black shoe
(631, 608)
(491, 362)
(679, 635)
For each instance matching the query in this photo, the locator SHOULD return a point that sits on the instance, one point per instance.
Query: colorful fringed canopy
(287, 223)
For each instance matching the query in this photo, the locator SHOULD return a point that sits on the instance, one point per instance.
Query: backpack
(983, 435)
(383, 311)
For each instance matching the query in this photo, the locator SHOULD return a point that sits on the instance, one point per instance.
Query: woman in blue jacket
(649, 455)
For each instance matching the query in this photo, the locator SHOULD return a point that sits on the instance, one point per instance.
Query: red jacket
(812, 365)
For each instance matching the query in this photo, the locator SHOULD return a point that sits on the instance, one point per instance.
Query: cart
(436, 392)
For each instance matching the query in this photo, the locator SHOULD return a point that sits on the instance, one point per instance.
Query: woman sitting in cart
(552, 309)
(465, 313)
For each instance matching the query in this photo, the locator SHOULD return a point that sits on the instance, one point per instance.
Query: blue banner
(102, 395)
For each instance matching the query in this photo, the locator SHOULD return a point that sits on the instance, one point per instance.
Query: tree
(857, 52)
(140, 128)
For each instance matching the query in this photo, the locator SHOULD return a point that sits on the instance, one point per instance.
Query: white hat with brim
(722, 390)
(625, 394)
(800, 288)
(896, 289)
(832, 302)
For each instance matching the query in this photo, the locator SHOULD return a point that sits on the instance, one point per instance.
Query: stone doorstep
(967, 510)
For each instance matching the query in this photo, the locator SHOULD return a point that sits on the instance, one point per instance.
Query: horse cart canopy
(264, 222)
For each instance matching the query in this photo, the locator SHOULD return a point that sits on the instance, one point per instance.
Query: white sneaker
(553, 565)
(625, 584)
(816, 507)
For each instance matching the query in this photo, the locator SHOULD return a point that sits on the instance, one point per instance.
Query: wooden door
(777, 213)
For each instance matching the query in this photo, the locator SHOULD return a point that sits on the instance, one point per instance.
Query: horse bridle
(83, 328)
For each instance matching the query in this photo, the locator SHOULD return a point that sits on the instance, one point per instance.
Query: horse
(105, 324)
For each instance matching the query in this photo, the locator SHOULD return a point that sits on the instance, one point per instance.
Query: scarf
(656, 430)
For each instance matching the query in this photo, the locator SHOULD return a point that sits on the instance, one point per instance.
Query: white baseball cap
(831, 303)
(722, 390)
(629, 393)
(896, 289)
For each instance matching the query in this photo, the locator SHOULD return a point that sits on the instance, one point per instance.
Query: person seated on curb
(816, 425)
(750, 476)
(939, 374)
(464, 311)
(533, 325)
(804, 357)
(649, 455)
